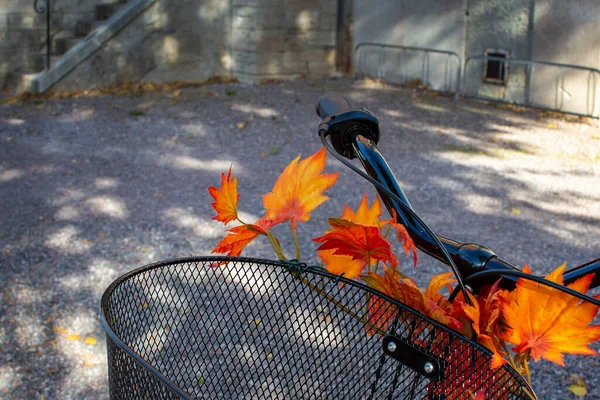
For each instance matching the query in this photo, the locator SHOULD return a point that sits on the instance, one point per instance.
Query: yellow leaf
(241, 125)
(73, 337)
(144, 250)
(552, 126)
(577, 380)
(59, 329)
(515, 211)
(90, 340)
(578, 391)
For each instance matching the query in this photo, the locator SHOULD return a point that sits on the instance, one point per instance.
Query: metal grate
(257, 329)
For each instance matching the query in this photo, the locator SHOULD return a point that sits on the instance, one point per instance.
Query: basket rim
(289, 265)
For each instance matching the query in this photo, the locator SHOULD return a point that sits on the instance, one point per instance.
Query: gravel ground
(94, 187)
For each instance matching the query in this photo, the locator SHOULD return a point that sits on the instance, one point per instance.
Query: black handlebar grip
(332, 103)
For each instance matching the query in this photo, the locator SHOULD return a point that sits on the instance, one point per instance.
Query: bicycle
(256, 328)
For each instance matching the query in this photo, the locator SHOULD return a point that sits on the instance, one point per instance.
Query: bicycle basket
(194, 328)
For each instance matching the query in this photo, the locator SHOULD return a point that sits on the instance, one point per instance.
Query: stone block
(330, 6)
(244, 39)
(295, 62)
(321, 38)
(295, 41)
(29, 20)
(245, 17)
(328, 22)
(22, 39)
(302, 4)
(272, 18)
(304, 20)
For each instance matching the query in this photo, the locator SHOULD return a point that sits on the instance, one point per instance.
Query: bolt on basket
(221, 327)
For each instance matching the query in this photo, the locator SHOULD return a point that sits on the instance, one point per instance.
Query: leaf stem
(295, 240)
(511, 360)
(276, 246)
(527, 372)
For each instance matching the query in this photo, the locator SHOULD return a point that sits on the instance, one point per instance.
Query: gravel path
(93, 187)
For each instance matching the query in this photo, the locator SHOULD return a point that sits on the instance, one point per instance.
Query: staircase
(32, 78)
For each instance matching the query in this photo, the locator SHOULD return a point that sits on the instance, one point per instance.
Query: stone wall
(23, 31)
(170, 41)
(279, 39)
(251, 40)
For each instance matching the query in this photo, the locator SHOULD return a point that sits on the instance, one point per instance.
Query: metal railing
(462, 76)
(559, 84)
(47, 9)
(425, 67)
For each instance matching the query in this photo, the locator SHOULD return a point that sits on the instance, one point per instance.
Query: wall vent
(495, 68)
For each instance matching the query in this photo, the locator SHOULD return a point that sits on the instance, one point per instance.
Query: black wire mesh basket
(240, 328)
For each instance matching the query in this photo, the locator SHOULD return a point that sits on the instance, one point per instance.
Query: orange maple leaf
(344, 264)
(402, 236)
(240, 236)
(547, 323)
(430, 303)
(361, 242)
(225, 198)
(299, 190)
(341, 264)
(484, 312)
(364, 214)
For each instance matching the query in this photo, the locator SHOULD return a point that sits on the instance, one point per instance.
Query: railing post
(47, 8)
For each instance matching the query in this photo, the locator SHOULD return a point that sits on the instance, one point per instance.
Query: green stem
(295, 240)
(527, 372)
(276, 246)
(511, 360)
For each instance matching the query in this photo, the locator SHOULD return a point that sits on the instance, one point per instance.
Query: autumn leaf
(358, 241)
(484, 312)
(364, 214)
(225, 198)
(578, 387)
(240, 236)
(343, 264)
(546, 324)
(403, 237)
(406, 291)
(299, 190)
(90, 341)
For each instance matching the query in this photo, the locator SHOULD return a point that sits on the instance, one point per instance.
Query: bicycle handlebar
(332, 104)
(357, 137)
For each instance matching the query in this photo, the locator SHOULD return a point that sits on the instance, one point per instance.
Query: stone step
(64, 44)
(18, 82)
(105, 11)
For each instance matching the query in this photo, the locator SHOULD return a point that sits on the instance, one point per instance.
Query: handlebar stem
(469, 258)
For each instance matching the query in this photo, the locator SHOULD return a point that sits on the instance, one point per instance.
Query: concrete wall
(424, 23)
(273, 39)
(543, 30)
(566, 32)
(171, 41)
(503, 25)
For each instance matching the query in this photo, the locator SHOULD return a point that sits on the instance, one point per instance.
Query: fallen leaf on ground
(90, 340)
(59, 329)
(578, 387)
(241, 125)
(73, 337)
(515, 211)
